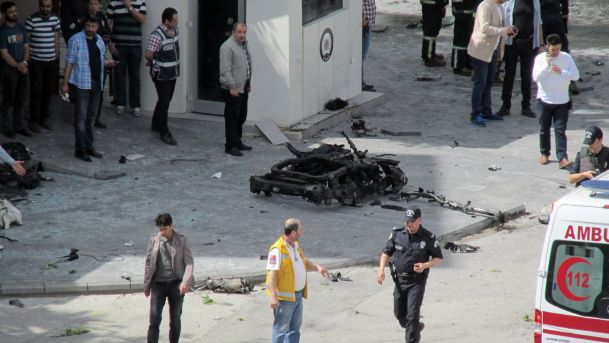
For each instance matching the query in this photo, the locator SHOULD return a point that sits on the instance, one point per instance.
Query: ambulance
(572, 297)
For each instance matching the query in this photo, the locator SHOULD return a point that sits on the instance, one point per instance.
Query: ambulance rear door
(575, 296)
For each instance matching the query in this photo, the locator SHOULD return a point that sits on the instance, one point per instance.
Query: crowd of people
(104, 45)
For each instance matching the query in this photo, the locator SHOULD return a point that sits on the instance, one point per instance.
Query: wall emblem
(326, 45)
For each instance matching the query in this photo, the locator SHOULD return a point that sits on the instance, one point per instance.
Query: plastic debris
(134, 157)
(217, 175)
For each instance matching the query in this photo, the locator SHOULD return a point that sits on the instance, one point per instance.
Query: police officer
(463, 11)
(414, 250)
(433, 12)
(592, 159)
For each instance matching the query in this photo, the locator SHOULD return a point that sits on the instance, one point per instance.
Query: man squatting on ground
(168, 274)
(286, 281)
(414, 250)
(593, 158)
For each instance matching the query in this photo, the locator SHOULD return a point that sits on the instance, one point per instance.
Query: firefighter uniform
(433, 12)
(463, 11)
(407, 250)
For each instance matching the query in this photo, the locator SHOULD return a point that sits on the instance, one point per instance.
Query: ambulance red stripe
(574, 335)
(577, 323)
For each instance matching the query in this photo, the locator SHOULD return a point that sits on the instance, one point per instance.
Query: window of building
(315, 9)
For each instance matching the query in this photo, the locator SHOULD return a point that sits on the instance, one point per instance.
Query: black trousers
(129, 62)
(555, 25)
(235, 114)
(43, 82)
(521, 49)
(407, 301)
(464, 26)
(159, 292)
(432, 23)
(14, 86)
(164, 91)
(559, 115)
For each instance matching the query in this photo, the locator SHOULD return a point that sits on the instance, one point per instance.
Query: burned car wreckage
(331, 172)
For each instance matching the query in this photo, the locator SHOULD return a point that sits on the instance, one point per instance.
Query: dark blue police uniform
(406, 250)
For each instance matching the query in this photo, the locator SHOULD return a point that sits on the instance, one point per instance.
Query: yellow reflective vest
(286, 285)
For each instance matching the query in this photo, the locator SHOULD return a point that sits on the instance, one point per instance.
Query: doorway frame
(198, 105)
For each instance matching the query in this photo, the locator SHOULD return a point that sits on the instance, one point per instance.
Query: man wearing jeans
(85, 71)
(286, 281)
(553, 71)
(163, 56)
(168, 275)
(126, 18)
(483, 48)
(14, 49)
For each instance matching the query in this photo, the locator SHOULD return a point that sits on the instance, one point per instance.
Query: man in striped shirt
(126, 18)
(43, 31)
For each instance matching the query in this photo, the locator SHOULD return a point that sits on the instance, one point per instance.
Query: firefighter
(433, 12)
(463, 11)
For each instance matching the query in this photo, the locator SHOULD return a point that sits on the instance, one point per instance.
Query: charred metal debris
(331, 172)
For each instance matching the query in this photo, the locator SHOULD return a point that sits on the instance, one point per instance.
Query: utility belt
(411, 275)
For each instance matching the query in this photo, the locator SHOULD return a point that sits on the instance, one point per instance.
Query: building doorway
(215, 21)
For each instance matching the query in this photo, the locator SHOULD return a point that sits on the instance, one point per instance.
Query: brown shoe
(564, 163)
(544, 160)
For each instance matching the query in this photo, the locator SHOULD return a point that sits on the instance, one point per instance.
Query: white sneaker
(137, 112)
(119, 109)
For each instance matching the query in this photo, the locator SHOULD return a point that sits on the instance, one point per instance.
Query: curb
(54, 288)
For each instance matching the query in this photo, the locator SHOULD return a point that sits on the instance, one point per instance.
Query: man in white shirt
(553, 72)
(286, 281)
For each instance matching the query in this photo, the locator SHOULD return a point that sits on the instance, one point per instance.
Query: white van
(572, 298)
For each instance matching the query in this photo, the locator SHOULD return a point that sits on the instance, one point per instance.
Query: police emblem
(326, 45)
(423, 244)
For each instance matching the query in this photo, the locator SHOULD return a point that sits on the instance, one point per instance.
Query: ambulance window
(576, 280)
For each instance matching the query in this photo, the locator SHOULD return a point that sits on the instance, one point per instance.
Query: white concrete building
(304, 53)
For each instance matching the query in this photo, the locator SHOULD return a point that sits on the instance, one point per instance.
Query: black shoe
(435, 63)
(463, 71)
(100, 125)
(82, 155)
(9, 134)
(242, 146)
(421, 326)
(168, 139)
(528, 113)
(94, 153)
(234, 152)
(24, 132)
(490, 116)
(46, 125)
(503, 112)
(368, 88)
(34, 128)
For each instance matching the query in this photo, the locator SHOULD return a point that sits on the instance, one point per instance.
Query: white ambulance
(572, 299)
